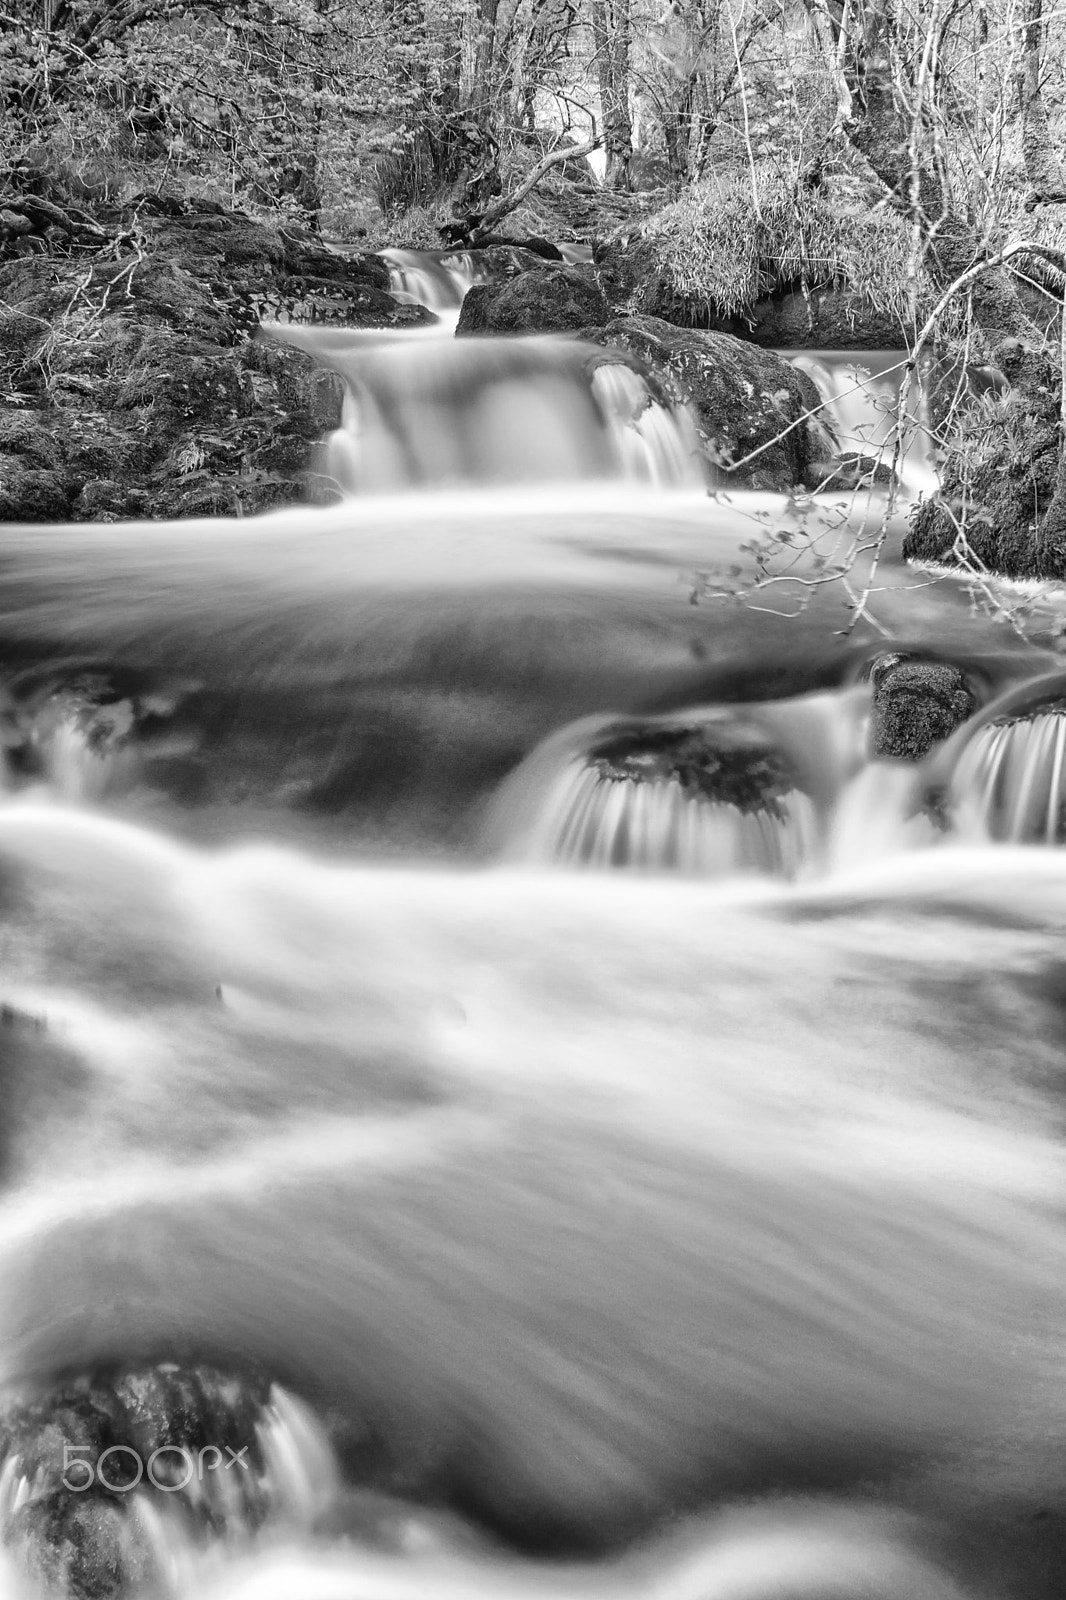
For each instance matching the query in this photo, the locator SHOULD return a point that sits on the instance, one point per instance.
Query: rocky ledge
(130, 381)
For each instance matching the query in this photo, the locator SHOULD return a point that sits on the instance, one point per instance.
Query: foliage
(732, 239)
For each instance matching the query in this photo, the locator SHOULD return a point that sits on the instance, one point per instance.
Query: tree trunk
(1043, 169)
(610, 34)
(481, 90)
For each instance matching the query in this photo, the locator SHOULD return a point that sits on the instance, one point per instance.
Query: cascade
(537, 1053)
(874, 409)
(1003, 774)
(429, 412)
(711, 792)
(436, 279)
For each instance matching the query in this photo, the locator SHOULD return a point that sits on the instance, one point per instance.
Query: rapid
(522, 1074)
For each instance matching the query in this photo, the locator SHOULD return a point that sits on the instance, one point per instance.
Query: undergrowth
(731, 241)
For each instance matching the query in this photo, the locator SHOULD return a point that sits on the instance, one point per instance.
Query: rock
(826, 319)
(34, 484)
(917, 704)
(140, 389)
(496, 261)
(724, 762)
(543, 249)
(546, 300)
(13, 223)
(742, 398)
(77, 1537)
(849, 472)
(1000, 448)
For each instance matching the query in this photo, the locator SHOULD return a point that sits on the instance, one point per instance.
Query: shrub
(727, 243)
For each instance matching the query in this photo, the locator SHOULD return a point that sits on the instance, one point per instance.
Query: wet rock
(134, 386)
(543, 249)
(747, 402)
(547, 300)
(498, 261)
(78, 1458)
(727, 764)
(917, 704)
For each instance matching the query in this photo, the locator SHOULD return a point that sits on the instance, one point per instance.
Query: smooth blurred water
(877, 409)
(664, 1230)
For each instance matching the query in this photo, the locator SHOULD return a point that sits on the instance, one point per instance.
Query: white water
(437, 280)
(593, 1232)
(416, 1158)
(429, 411)
(875, 409)
(1010, 782)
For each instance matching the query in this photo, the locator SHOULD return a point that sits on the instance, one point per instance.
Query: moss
(725, 245)
(742, 398)
(148, 393)
(917, 705)
(544, 300)
(998, 477)
(731, 766)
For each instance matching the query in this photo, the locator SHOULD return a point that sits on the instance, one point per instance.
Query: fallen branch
(467, 230)
(43, 213)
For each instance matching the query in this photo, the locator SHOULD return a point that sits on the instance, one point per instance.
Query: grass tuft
(726, 244)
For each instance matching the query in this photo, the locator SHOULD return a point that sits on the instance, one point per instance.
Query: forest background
(912, 154)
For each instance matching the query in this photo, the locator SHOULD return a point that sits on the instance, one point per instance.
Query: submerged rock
(917, 704)
(544, 300)
(132, 382)
(751, 407)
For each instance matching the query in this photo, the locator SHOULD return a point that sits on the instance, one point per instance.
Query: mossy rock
(998, 478)
(917, 705)
(742, 398)
(148, 394)
(545, 300)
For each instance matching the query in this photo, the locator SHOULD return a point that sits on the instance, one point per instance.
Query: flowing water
(437, 280)
(521, 1077)
(876, 408)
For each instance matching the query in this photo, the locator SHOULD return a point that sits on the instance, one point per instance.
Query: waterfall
(1009, 781)
(871, 409)
(431, 412)
(390, 1100)
(602, 817)
(715, 792)
(436, 279)
(1002, 776)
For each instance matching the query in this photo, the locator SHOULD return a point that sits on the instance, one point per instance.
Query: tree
(902, 112)
(611, 38)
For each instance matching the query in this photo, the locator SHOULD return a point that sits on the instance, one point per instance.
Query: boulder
(75, 1531)
(134, 386)
(917, 704)
(751, 407)
(545, 300)
(827, 318)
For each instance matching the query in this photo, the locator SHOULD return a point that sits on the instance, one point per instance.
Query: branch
(1017, 247)
(507, 203)
(43, 213)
